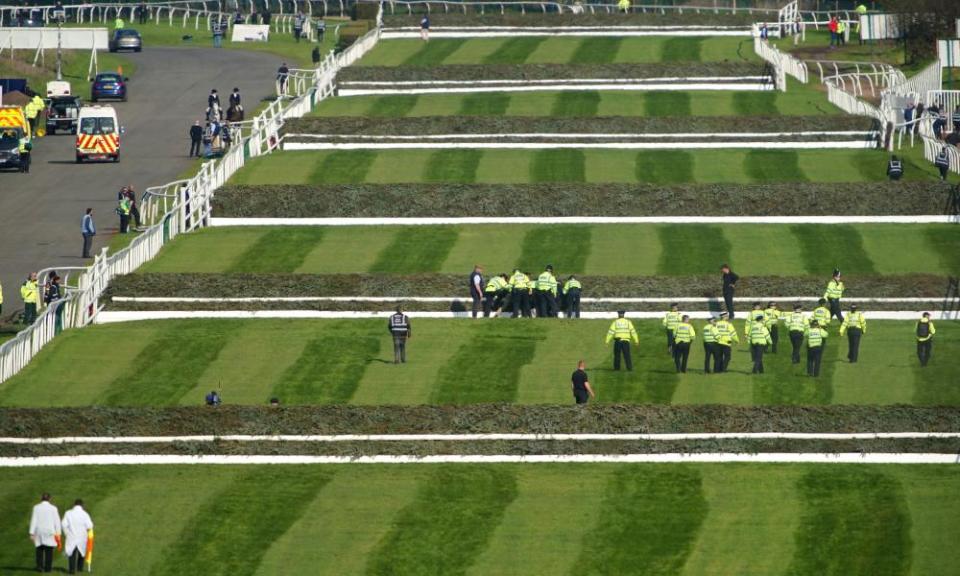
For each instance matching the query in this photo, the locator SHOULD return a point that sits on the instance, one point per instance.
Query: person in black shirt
(399, 327)
(196, 136)
(581, 384)
(476, 288)
(729, 285)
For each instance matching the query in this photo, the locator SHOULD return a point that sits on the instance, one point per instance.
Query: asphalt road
(40, 212)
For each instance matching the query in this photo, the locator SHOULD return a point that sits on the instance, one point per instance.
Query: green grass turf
(510, 520)
(484, 104)
(665, 166)
(576, 104)
(621, 250)
(526, 361)
(575, 165)
(557, 50)
(393, 106)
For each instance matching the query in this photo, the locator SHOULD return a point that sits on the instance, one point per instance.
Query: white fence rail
(783, 63)
(169, 210)
(932, 148)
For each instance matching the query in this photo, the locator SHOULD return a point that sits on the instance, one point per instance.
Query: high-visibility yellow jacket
(796, 321)
(770, 317)
(748, 323)
(547, 282)
(684, 332)
(28, 292)
(816, 336)
(496, 284)
(759, 334)
(519, 281)
(572, 284)
(726, 333)
(671, 320)
(834, 290)
(709, 333)
(822, 315)
(930, 334)
(622, 329)
(854, 320)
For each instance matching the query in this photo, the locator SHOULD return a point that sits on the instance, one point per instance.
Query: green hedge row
(546, 71)
(580, 199)
(293, 285)
(492, 17)
(523, 448)
(479, 418)
(416, 126)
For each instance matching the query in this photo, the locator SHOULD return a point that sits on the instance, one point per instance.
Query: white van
(98, 134)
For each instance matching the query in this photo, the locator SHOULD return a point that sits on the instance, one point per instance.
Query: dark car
(109, 85)
(126, 39)
(10, 148)
(62, 112)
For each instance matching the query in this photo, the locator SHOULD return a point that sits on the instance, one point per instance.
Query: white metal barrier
(782, 62)
(932, 148)
(946, 100)
(168, 211)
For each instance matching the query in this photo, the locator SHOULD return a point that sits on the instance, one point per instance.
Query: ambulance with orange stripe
(98, 134)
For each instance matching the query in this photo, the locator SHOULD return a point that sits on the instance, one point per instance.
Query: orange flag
(59, 542)
(88, 557)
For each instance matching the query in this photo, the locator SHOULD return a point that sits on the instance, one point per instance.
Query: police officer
(29, 292)
(943, 163)
(546, 293)
(816, 338)
(670, 321)
(476, 288)
(621, 331)
(894, 168)
(399, 326)
(855, 326)
(520, 294)
(925, 331)
(709, 343)
(833, 294)
(748, 322)
(683, 337)
(726, 338)
(24, 148)
(494, 293)
(729, 284)
(771, 319)
(571, 294)
(821, 313)
(759, 340)
(797, 324)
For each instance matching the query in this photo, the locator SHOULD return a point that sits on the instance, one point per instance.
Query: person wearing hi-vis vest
(399, 326)
(854, 326)
(833, 294)
(894, 168)
(816, 338)
(621, 331)
(771, 319)
(545, 293)
(759, 340)
(78, 529)
(709, 344)
(29, 292)
(683, 336)
(494, 293)
(670, 321)
(925, 332)
(797, 323)
(571, 294)
(726, 338)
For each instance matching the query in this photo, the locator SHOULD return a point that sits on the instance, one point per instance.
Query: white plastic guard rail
(932, 147)
(782, 62)
(169, 210)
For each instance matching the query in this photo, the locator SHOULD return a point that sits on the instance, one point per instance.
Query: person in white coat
(44, 531)
(76, 522)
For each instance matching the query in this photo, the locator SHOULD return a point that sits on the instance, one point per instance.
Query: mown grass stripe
(515, 50)
(167, 369)
(343, 167)
(498, 349)
(785, 383)
(565, 246)
(230, 533)
(691, 250)
(945, 242)
(453, 166)
(329, 369)
(576, 104)
(434, 52)
(855, 521)
(637, 387)
(666, 104)
(484, 104)
(393, 106)
(279, 251)
(649, 524)
(681, 49)
(773, 166)
(560, 165)
(936, 383)
(755, 103)
(828, 246)
(444, 530)
(599, 50)
(417, 249)
(664, 166)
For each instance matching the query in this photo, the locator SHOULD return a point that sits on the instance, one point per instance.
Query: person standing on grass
(571, 294)
(30, 292)
(943, 163)
(833, 294)
(425, 28)
(45, 532)
(709, 343)
(854, 326)
(520, 294)
(88, 229)
(925, 333)
(816, 338)
(771, 319)
(582, 392)
(621, 331)
(131, 196)
(298, 21)
(399, 326)
(545, 293)
(726, 338)
(670, 321)
(759, 340)
(797, 324)
(682, 339)
(77, 527)
(315, 55)
(832, 26)
(728, 281)
(476, 288)
(894, 168)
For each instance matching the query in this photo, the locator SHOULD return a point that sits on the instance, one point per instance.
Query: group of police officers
(522, 296)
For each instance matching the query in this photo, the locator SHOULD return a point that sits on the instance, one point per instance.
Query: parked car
(62, 113)
(126, 39)
(109, 85)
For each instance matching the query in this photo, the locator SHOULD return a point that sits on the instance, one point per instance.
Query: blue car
(109, 85)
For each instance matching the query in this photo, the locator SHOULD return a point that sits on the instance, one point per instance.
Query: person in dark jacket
(399, 326)
(729, 281)
(196, 137)
(894, 169)
(476, 286)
